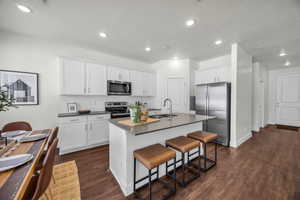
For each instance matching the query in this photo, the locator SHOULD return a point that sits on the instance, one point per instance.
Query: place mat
(10, 134)
(130, 123)
(14, 161)
(31, 138)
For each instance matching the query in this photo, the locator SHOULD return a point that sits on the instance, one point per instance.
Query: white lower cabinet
(98, 130)
(82, 132)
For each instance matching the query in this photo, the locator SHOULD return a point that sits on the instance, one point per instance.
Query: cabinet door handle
(91, 127)
(74, 120)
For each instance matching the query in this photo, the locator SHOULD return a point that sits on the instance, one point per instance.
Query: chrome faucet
(170, 106)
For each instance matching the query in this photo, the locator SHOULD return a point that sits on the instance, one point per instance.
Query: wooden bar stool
(205, 138)
(152, 157)
(184, 145)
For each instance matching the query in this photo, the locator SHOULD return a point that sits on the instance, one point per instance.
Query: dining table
(14, 182)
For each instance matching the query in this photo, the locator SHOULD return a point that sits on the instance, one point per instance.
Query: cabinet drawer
(98, 117)
(75, 119)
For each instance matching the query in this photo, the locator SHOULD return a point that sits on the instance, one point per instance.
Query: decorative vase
(135, 114)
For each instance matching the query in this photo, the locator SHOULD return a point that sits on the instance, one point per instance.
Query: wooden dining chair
(15, 126)
(45, 174)
(52, 136)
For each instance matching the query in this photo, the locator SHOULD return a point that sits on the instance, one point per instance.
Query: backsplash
(96, 103)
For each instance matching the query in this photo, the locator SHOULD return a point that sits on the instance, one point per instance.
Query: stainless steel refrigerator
(214, 100)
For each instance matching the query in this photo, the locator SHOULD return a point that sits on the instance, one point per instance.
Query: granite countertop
(77, 114)
(164, 123)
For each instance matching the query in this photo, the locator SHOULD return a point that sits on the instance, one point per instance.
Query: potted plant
(5, 100)
(135, 113)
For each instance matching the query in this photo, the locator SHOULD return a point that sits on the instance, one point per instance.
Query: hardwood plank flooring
(266, 167)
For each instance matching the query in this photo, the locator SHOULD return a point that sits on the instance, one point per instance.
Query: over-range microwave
(118, 88)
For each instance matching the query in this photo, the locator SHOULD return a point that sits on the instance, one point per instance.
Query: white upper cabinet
(220, 74)
(72, 77)
(136, 79)
(96, 79)
(118, 74)
(149, 84)
(80, 78)
(143, 83)
(214, 70)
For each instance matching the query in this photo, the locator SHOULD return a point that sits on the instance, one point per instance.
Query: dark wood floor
(265, 167)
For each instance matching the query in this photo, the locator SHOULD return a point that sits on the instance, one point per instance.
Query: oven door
(118, 88)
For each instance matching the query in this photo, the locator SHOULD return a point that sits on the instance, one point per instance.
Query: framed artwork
(72, 107)
(21, 86)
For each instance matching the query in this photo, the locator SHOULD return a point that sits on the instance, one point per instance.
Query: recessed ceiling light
(218, 42)
(148, 49)
(282, 53)
(190, 22)
(23, 8)
(175, 58)
(287, 63)
(103, 35)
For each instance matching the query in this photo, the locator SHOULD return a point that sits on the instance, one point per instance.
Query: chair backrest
(52, 136)
(46, 171)
(15, 126)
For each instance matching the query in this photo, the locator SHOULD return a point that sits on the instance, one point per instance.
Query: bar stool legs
(150, 181)
(206, 159)
(185, 168)
(206, 138)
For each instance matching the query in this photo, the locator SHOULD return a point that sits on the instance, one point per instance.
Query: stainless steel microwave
(118, 88)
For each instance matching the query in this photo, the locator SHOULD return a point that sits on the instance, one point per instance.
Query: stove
(117, 109)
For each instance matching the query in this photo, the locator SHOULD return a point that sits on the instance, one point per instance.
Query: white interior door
(176, 92)
(288, 100)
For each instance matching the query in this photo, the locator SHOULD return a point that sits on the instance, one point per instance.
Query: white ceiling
(262, 27)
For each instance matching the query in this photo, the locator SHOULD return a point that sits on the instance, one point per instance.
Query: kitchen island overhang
(123, 140)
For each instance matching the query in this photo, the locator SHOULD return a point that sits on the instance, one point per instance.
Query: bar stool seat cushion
(182, 143)
(154, 155)
(203, 136)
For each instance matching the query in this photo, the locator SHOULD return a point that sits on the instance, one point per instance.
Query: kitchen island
(123, 140)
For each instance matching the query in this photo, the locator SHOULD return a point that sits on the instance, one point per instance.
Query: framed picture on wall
(21, 86)
(72, 107)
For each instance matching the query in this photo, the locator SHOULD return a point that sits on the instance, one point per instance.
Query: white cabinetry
(72, 77)
(118, 74)
(82, 132)
(213, 75)
(73, 133)
(143, 83)
(98, 129)
(80, 78)
(96, 79)
(137, 83)
(149, 84)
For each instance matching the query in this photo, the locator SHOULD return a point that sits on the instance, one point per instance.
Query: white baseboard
(236, 144)
(66, 151)
(244, 139)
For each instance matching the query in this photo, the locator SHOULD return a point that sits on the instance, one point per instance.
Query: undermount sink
(162, 116)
